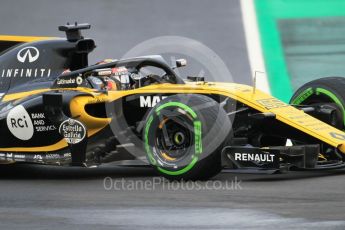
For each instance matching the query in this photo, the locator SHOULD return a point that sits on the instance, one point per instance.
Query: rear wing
(9, 41)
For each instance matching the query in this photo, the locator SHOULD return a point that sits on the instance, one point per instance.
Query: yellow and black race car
(57, 109)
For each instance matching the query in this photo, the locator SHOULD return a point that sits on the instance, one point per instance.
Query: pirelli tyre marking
(303, 96)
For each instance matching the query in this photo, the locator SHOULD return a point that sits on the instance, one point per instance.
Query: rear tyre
(328, 91)
(184, 135)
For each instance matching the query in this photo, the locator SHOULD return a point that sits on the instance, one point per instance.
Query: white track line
(253, 42)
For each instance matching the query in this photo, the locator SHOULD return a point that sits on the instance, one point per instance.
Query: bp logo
(73, 131)
(28, 54)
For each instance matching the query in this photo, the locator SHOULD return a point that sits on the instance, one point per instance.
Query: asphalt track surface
(43, 197)
(36, 197)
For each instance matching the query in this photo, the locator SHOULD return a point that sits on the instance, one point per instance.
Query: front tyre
(328, 91)
(183, 137)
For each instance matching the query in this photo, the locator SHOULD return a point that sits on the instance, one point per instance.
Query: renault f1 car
(57, 109)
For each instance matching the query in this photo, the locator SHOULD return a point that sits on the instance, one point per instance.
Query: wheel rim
(173, 138)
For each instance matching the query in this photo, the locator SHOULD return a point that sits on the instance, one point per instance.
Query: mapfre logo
(150, 101)
(28, 54)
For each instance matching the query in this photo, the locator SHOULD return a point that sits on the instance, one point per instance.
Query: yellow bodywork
(246, 94)
(12, 38)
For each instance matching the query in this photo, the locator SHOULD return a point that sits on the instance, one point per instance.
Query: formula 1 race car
(57, 109)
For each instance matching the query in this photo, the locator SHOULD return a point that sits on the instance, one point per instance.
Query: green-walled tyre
(329, 91)
(184, 135)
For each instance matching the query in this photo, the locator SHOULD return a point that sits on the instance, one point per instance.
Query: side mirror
(181, 62)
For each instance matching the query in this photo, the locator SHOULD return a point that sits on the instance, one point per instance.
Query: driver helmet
(122, 75)
(105, 82)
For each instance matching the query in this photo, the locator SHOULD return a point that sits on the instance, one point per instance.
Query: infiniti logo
(29, 53)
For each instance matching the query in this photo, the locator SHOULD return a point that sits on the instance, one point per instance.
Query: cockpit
(131, 75)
